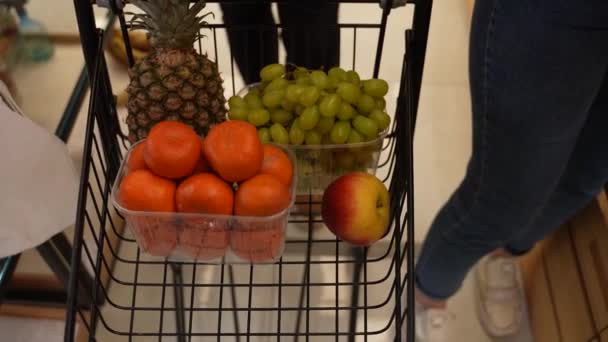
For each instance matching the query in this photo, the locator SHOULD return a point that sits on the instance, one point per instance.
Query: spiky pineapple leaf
(197, 7)
(138, 27)
(170, 23)
(145, 20)
(147, 7)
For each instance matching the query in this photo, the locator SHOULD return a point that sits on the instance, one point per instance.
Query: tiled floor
(30, 330)
(442, 146)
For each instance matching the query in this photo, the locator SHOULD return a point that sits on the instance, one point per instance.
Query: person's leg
(500, 296)
(252, 37)
(585, 176)
(532, 85)
(310, 34)
(500, 289)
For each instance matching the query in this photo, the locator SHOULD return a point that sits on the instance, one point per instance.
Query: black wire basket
(322, 289)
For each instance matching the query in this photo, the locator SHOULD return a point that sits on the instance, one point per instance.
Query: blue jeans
(539, 89)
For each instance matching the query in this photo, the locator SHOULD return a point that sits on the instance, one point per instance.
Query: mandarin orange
(136, 158)
(234, 150)
(141, 190)
(276, 163)
(204, 193)
(172, 149)
(262, 195)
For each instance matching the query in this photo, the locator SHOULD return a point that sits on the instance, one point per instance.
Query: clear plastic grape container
(208, 238)
(319, 165)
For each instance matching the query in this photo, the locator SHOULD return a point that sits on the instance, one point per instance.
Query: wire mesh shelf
(321, 289)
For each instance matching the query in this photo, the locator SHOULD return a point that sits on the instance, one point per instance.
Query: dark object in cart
(338, 292)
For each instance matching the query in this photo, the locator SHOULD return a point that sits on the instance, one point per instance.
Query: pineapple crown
(170, 23)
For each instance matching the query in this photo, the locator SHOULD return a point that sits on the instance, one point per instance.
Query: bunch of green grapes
(313, 107)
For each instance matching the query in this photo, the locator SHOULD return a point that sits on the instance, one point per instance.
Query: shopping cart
(321, 289)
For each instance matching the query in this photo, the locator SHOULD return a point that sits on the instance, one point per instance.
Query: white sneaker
(432, 324)
(500, 301)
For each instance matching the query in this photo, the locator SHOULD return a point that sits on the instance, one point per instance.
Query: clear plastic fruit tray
(209, 238)
(319, 165)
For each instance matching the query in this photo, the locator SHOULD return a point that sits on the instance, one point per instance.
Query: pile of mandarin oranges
(229, 172)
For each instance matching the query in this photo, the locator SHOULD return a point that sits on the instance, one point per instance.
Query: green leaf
(145, 6)
(138, 27)
(197, 7)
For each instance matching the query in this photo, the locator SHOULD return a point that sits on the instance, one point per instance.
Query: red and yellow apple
(356, 207)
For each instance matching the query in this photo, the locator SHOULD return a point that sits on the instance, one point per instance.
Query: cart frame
(103, 150)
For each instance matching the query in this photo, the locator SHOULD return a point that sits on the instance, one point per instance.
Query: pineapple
(173, 82)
